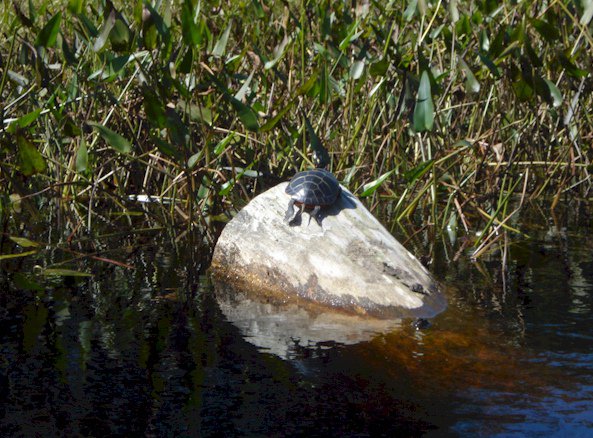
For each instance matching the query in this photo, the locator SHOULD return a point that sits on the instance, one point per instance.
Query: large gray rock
(350, 264)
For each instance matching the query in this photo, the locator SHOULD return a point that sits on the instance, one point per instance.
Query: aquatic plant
(449, 113)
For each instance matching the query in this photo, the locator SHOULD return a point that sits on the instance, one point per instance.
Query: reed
(442, 110)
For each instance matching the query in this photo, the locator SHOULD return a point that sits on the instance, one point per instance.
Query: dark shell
(314, 187)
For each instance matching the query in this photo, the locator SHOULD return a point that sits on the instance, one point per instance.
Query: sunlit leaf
(279, 52)
(112, 138)
(222, 145)
(82, 157)
(371, 187)
(13, 256)
(471, 83)
(24, 242)
(587, 6)
(410, 10)
(356, 69)
(75, 6)
(555, 94)
(48, 35)
(105, 31)
(30, 159)
(189, 29)
(64, 273)
(418, 171)
(220, 47)
(424, 109)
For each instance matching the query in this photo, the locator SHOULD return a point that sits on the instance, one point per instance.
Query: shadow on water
(149, 350)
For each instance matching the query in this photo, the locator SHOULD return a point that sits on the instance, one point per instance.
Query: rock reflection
(283, 329)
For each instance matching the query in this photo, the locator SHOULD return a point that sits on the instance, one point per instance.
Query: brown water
(147, 351)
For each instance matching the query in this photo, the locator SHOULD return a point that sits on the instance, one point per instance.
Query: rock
(349, 265)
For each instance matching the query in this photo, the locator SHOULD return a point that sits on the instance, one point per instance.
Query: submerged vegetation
(454, 112)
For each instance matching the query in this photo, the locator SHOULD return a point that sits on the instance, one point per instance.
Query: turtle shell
(314, 187)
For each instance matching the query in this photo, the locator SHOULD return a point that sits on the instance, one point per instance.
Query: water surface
(144, 349)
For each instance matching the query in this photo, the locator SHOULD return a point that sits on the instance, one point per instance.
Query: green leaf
(75, 6)
(29, 118)
(555, 94)
(112, 138)
(246, 114)
(102, 38)
(25, 283)
(155, 110)
(48, 35)
(82, 156)
(471, 83)
(14, 256)
(417, 172)
(189, 29)
(30, 159)
(24, 242)
(356, 69)
(370, 188)
(220, 147)
(278, 52)
(220, 48)
(424, 109)
(64, 273)
(410, 10)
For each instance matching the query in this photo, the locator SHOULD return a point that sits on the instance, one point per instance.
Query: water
(148, 351)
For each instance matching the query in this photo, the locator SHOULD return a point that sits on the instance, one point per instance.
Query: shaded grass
(205, 103)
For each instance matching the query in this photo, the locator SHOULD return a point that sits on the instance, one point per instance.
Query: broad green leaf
(410, 10)
(48, 35)
(189, 29)
(220, 147)
(240, 95)
(23, 282)
(279, 52)
(64, 273)
(246, 115)
(24, 242)
(418, 171)
(555, 94)
(82, 156)
(30, 159)
(546, 30)
(356, 69)
(105, 31)
(120, 34)
(155, 109)
(191, 162)
(352, 35)
(14, 256)
(29, 118)
(587, 6)
(75, 6)
(471, 83)
(196, 112)
(220, 48)
(316, 144)
(370, 188)
(166, 148)
(424, 109)
(112, 138)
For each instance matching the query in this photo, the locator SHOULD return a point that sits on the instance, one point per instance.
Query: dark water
(147, 351)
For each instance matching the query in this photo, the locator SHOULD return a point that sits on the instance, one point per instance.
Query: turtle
(314, 188)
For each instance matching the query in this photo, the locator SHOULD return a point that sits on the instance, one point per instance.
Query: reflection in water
(150, 351)
(282, 329)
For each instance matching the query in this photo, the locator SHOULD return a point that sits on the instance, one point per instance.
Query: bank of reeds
(454, 113)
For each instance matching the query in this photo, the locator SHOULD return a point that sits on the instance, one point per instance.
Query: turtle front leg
(291, 213)
(315, 213)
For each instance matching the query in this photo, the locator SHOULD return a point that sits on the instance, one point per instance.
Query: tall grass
(443, 111)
